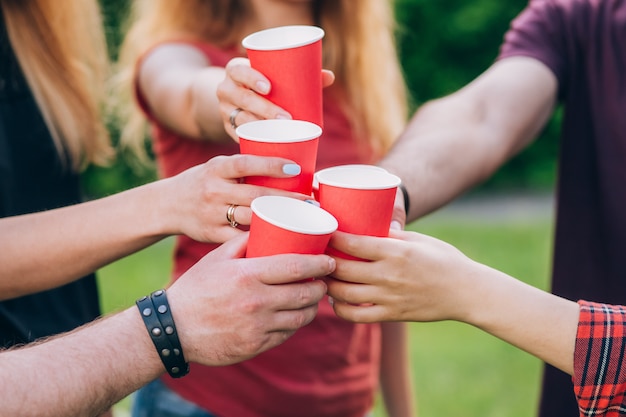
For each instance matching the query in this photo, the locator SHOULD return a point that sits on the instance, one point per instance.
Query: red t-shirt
(583, 42)
(328, 368)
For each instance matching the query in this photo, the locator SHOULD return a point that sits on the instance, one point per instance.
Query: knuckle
(294, 269)
(248, 99)
(251, 305)
(240, 165)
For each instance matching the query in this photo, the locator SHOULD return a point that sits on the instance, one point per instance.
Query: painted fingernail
(291, 169)
(262, 87)
(315, 203)
(283, 116)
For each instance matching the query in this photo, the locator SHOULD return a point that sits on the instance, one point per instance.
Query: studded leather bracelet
(156, 315)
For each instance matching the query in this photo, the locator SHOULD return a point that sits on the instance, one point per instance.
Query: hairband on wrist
(156, 315)
(407, 202)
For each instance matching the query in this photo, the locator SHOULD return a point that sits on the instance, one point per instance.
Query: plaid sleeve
(599, 371)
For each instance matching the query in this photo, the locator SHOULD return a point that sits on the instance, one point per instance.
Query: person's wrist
(184, 310)
(476, 296)
(160, 209)
(159, 322)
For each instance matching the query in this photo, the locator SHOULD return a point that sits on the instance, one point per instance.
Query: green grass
(458, 370)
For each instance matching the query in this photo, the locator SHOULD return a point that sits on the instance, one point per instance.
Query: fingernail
(330, 300)
(315, 203)
(395, 225)
(291, 169)
(283, 116)
(262, 87)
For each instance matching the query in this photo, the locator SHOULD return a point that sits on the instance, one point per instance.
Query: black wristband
(407, 202)
(159, 322)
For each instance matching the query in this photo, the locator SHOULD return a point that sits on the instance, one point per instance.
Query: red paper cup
(316, 186)
(296, 140)
(360, 198)
(291, 58)
(286, 225)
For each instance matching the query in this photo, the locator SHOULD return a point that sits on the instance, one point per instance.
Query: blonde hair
(62, 52)
(359, 47)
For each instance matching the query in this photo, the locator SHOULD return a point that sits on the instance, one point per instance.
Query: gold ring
(230, 215)
(234, 114)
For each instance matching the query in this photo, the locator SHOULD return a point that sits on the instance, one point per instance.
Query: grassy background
(458, 370)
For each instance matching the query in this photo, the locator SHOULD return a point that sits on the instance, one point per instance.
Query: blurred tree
(443, 45)
(124, 172)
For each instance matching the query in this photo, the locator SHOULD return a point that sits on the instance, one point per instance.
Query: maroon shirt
(583, 42)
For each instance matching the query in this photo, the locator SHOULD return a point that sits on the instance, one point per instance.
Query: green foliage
(125, 171)
(114, 14)
(445, 45)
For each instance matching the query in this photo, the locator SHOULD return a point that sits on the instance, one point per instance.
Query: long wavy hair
(61, 49)
(359, 47)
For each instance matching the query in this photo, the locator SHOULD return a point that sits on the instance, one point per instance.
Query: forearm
(79, 373)
(443, 152)
(180, 87)
(395, 371)
(535, 321)
(48, 249)
(458, 141)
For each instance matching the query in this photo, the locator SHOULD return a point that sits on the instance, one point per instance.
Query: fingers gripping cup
(296, 140)
(286, 225)
(291, 58)
(361, 198)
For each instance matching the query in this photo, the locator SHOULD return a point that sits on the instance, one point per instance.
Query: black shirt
(33, 178)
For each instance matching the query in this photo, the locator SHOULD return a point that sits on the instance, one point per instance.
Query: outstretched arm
(455, 142)
(179, 85)
(219, 322)
(413, 277)
(47, 249)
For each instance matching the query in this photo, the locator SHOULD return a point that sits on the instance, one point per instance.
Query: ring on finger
(230, 215)
(233, 115)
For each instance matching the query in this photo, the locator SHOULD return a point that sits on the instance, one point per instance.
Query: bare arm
(180, 87)
(81, 373)
(395, 371)
(48, 249)
(460, 140)
(219, 322)
(413, 277)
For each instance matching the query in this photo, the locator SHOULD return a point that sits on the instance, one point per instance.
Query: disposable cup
(286, 225)
(291, 58)
(296, 140)
(358, 166)
(360, 198)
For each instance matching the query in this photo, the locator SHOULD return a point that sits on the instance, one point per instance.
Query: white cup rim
(348, 166)
(357, 177)
(294, 215)
(283, 37)
(279, 131)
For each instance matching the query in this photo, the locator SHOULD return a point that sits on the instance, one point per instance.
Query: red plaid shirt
(599, 365)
